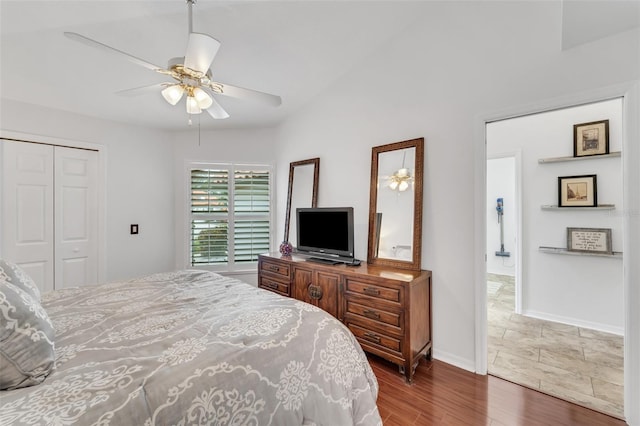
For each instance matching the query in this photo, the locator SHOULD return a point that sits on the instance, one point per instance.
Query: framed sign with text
(589, 240)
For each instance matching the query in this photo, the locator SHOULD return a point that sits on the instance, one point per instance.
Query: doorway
(555, 324)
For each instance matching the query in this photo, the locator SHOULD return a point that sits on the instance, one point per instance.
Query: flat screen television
(326, 233)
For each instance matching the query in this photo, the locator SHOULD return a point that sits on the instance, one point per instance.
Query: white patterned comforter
(194, 347)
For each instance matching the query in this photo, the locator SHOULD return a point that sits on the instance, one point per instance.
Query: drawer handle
(371, 314)
(271, 284)
(371, 291)
(315, 292)
(372, 337)
(273, 268)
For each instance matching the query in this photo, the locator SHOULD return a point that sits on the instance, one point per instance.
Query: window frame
(231, 266)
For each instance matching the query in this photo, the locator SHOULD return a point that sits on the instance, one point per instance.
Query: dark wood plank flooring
(446, 395)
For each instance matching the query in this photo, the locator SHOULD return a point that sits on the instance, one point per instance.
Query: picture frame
(578, 191)
(589, 240)
(591, 138)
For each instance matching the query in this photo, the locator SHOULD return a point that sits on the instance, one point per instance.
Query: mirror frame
(416, 260)
(314, 195)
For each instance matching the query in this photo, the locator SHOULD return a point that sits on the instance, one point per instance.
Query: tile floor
(576, 364)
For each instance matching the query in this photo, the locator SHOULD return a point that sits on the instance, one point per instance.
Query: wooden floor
(445, 395)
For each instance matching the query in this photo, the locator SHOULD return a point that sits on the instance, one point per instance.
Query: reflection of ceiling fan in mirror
(191, 75)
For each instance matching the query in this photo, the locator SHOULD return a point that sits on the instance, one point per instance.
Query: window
(230, 215)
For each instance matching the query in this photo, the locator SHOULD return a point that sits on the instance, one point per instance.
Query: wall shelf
(588, 157)
(558, 250)
(598, 207)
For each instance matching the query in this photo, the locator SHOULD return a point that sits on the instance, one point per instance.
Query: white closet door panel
(27, 210)
(32, 204)
(40, 272)
(76, 200)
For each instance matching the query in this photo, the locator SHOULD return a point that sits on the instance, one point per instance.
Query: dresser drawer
(276, 286)
(374, 338)
(283, 270)
(392, 294)
(391, 318)
(374, 325)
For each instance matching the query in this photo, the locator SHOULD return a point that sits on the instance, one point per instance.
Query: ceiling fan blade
(242, 93)
(112, 50)
(136, 91)
(215, 110)
(201, 50)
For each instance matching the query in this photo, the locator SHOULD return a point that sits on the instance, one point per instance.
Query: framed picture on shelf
(591, 138)
(589, 240)
(577, 191)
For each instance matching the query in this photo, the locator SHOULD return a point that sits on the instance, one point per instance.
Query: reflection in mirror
(395, 215)
(302, 192)
(394, 207)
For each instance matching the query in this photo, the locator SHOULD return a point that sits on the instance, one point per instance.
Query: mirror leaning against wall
(395, 205)
(302, 192)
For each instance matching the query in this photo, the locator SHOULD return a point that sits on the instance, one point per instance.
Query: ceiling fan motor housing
(192, 78)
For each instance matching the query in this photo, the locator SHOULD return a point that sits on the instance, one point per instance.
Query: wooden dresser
(387, 309)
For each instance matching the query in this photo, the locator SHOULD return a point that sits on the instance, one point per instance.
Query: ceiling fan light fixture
(400, 180)
(173, 93)
(202, 97)
(192, 105)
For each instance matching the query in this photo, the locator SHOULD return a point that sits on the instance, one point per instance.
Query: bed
(193, 347)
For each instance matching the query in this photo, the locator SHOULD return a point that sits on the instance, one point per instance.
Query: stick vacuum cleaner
(500, 210)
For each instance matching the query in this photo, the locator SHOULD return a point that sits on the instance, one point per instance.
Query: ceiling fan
(191, 75)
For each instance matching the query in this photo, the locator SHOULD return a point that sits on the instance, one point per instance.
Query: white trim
(572, 321)
(480, 238)
(102, 184)
(452, 359)
(630, 92)
(631, 249)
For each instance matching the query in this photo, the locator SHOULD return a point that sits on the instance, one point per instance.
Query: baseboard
(455, 360)
(575, 322)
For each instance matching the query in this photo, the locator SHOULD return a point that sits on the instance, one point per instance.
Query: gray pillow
(13, 273)
(27, 353)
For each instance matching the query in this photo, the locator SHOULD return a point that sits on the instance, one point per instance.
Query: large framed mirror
(395, 205)
(302, 192)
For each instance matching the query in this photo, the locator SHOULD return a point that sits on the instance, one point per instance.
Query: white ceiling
(294, 49)
(291, 49)
(585, 21)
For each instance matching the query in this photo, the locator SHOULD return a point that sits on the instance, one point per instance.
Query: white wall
(251, 146)
(501, 183)
(461, 60)
(583, 291)
(139, 183)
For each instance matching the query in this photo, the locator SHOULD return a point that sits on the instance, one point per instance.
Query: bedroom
(451, 66)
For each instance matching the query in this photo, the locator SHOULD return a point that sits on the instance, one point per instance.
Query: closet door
(49, 213)
(27, 209)
(76, 225)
